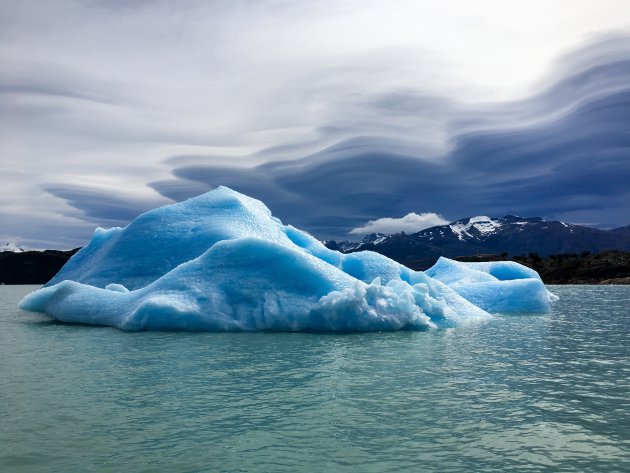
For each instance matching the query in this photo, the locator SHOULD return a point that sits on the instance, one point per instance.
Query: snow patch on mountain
(484, 225)
(11, 246)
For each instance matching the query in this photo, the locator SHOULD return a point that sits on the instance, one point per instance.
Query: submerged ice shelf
(221, 261)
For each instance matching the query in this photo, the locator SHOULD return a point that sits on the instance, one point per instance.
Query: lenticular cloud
(222, 262)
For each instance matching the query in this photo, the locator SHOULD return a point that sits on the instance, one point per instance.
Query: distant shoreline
(32, 267)
(606, 267)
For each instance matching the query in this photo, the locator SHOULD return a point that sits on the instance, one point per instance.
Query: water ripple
(525, 393)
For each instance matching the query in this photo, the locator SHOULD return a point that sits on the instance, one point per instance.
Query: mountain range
(509, 236)
(469, 239)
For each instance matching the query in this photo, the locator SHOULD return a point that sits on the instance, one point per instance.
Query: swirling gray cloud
(330, 114)
(569, 164)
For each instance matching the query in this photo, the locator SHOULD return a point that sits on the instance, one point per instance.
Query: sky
(344, 117)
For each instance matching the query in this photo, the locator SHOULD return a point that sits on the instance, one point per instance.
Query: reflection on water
(518, 392)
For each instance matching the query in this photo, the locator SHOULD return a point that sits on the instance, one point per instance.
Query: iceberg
(496, 287)
(222, 262)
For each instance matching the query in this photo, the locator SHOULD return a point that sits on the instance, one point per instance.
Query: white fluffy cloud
(410, 223)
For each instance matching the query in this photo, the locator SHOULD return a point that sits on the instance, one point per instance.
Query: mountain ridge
(476, 237)
(512, 235)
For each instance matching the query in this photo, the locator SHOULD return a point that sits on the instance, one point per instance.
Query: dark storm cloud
(572, 141)
(335, 190)
(102, 206)
(577, 161)
(561, 152)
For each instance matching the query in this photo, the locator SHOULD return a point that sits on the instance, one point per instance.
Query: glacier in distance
(222, 262)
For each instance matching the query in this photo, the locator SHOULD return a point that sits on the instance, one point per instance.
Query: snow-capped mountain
(484, 235)
(349, 246)
(11, 246)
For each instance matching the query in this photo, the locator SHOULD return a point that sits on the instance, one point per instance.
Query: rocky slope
(31, 267)
(608, 267)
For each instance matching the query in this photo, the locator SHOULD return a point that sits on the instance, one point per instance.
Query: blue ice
(222, 262)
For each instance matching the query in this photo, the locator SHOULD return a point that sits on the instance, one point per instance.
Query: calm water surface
(527, 393)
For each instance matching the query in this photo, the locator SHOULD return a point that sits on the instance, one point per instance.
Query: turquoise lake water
(519, 393)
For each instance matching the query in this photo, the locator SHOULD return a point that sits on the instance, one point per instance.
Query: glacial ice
(222, 262)
(505, 286)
